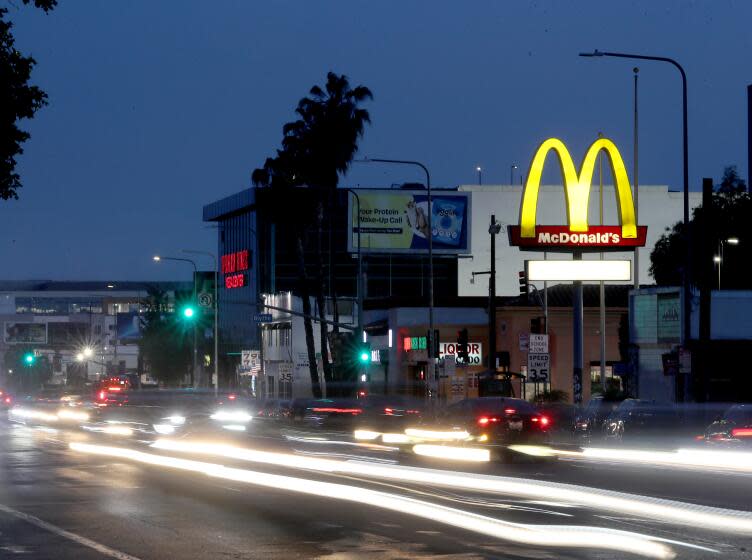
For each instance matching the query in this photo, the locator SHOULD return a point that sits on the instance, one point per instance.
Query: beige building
(514, 321)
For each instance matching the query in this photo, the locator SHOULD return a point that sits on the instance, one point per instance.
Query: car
(387, 413)
(589, 423)
(650, 421)
(733, 428)
(492, 422)
(6, 399)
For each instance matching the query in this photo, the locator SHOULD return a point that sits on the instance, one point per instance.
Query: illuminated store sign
(578, 234)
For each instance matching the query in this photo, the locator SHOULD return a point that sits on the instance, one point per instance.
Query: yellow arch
(577, 187)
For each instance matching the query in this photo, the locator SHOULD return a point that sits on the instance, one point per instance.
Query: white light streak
(537, 535)
(453, 453)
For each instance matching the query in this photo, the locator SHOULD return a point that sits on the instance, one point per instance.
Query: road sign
(245, 359)
(262, 317)
(538, 366)
(538, 344)
(205, 299)
(524, 341)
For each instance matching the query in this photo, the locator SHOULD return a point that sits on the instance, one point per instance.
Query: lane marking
(78, 539)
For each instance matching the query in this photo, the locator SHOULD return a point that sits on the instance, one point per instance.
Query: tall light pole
(431, 357)
(157, 259)
(511, 173)
(216, 313)
(686, 274)
(718, 259)
(360, 269)
(480, 175)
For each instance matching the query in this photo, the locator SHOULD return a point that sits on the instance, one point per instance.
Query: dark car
(387, 413)
(733, 428)
(646, 420)
(488, 421)
(562, 416)
(589, 423)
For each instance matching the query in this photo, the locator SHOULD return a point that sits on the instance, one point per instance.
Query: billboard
(396, 221)
(128, 327)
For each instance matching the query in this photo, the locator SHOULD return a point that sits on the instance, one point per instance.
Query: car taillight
(509, 411)
(741, 432)
(413, 411)
(102, 395)
(542, 421)
(7, 400)
(232, 397)
(485, 420)
(388, 411)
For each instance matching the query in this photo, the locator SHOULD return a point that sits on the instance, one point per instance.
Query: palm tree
(316, 149)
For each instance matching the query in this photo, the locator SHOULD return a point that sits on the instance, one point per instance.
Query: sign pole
(577, 327)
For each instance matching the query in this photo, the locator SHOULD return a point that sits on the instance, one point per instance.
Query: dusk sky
(157, 108)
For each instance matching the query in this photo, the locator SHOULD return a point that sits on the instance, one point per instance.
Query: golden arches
(577, 187)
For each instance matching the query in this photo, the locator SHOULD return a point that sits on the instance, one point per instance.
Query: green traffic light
(29, 358)
(189, 312)
(364, 356)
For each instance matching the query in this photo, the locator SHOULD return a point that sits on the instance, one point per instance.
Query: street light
(718, 259)
(360, 267)
(480, 175)
(430, 247)
(511, 173)
(686, 273)
(88, 352)
(216, 313)
(159, 258)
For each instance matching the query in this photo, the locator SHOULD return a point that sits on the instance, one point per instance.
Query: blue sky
(158, 107)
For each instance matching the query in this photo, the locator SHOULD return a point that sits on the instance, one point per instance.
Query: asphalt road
(57, 502)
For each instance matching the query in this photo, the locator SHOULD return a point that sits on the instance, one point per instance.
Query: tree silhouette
(18, 100)
(317, 148)
(728, 218)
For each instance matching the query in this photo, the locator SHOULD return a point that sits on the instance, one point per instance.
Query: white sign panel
(538, 366)
(474, 352)
(538, 344)
(524, 342)
(245, 359)
(559, 271)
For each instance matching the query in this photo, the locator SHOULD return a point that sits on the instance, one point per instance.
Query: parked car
(646, 420)
(733, 428)
(589, 423)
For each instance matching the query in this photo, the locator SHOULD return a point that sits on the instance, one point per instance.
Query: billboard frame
(352, 245)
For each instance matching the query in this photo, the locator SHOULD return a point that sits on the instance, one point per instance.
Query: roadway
(58, 502)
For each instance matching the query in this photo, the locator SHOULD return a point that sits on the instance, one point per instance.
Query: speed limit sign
(537, 367)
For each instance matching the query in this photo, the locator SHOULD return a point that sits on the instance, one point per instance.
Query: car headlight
(231, 416)
(176, 419)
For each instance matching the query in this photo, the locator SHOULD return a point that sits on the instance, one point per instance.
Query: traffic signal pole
(493, 230)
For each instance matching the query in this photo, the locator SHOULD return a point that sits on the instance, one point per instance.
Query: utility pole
(493, 230)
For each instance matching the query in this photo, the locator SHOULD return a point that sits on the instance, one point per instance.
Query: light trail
(717, 519)
(536, 535)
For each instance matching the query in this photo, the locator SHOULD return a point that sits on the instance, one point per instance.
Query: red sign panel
(235, 281)
(601, 238)
(235, 262)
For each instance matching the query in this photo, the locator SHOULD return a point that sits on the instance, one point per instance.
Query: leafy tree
(728, 218)
(316, 149)
(165, 345)
(18, 100)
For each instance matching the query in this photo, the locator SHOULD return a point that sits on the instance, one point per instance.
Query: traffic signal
(462, 346)
(524, 288)
(188, 312)
(29, 358)
(432, 343)
(364, 353)
(538, 325)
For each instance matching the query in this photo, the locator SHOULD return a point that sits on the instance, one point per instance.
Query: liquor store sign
(474, 352)
(578, 234)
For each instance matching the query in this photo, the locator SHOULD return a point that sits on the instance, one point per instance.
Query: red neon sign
(235, 281)
(235, 262)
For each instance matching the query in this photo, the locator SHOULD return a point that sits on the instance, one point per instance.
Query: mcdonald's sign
(578, 234)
